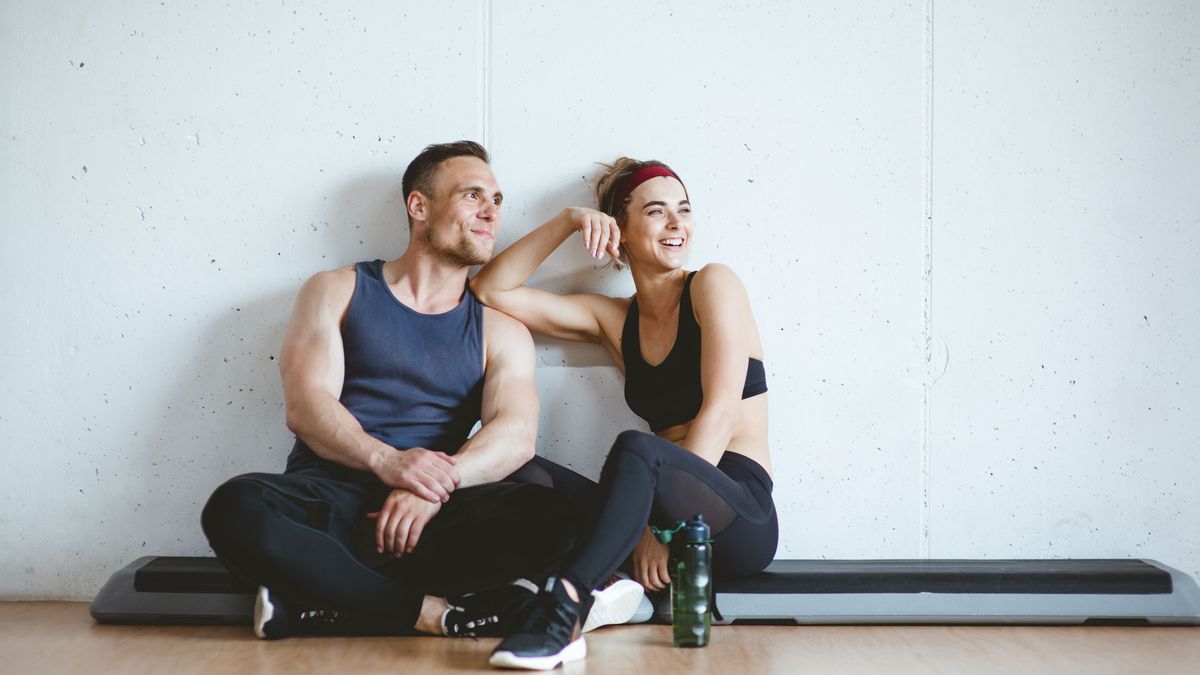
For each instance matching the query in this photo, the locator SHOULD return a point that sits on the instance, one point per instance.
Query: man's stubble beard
(461, 254)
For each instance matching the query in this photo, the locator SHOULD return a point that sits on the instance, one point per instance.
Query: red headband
(635, 179)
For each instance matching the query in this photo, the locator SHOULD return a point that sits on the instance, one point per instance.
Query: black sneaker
(273, 619)
(550, 635)
(491, 613)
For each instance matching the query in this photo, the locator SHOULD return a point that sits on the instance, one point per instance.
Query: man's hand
(399, 522)
(650, 562)
(425, 473)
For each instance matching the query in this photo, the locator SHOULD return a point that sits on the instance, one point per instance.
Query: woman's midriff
(749, 436)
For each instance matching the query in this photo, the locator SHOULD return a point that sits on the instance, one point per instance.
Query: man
(386, 368)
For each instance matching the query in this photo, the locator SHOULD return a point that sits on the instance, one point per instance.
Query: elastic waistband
(744, 462)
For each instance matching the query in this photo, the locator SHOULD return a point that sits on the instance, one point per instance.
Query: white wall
(970, 233)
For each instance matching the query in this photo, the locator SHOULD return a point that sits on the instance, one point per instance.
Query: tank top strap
(686, 315)
(630, 340)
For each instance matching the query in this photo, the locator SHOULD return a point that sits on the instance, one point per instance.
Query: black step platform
(1058, 591)
(174, 590)
(1122, 577)
(1062, 591)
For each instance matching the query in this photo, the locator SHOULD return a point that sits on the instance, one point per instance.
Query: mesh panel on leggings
(534, 473)
(680, 495)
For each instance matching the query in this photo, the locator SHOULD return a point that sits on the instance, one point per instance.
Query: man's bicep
(312, 353)
(509, 387)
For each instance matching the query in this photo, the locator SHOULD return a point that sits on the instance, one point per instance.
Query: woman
(692, 358)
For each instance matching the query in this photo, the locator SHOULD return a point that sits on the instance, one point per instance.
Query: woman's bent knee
(632, 438)
(648, 447)
(629, 445)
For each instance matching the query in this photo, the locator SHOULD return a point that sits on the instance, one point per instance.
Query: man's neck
(424, 283)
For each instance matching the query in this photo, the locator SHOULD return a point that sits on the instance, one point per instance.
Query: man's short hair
(421, 174)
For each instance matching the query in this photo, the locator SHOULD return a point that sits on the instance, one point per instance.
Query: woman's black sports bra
(669, 393)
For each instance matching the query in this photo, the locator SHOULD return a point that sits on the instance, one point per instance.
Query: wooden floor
(60, 637)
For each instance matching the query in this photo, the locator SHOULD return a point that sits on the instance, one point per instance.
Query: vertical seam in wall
(485, 73)
(927, 281)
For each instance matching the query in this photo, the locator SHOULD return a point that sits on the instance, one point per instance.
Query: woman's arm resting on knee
(726, 333)
(569, 317)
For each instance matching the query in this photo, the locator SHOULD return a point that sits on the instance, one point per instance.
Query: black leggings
(305, 535)
(650, 479)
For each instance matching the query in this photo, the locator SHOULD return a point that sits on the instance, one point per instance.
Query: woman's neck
(658, 292)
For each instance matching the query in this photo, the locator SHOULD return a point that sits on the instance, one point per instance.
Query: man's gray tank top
(412, 379)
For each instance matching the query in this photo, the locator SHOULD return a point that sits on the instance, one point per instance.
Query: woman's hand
(600, 232)
(650, 562)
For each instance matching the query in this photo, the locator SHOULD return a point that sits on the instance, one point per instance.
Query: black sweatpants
(650, 479)
(305, 535)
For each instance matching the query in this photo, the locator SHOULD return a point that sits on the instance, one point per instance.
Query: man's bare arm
(510, 404)
(312, 365)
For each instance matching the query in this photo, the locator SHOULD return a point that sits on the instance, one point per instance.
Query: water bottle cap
(695, 531)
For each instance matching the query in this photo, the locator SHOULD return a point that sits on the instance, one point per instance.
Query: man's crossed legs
(305, 537)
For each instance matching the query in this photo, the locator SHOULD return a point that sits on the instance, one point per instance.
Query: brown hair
(422, 171)
(610, 179)
(607, 184)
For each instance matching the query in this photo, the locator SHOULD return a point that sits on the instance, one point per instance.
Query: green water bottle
(691, 583)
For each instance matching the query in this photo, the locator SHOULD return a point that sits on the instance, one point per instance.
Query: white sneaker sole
(264, 611)
(644, 613)
(576, 651)
(615, 604)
